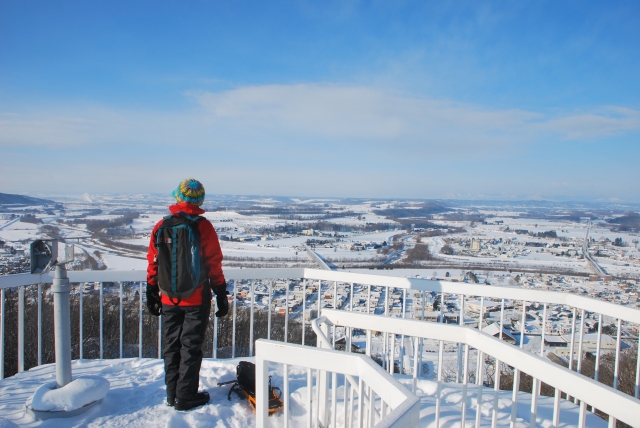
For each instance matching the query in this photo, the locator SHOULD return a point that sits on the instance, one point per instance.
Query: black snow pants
(183, 329)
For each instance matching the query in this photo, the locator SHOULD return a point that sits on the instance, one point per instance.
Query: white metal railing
(372, 397)
(332, 282)
(617, 405)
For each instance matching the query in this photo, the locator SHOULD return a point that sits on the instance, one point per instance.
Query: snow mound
(74, 395)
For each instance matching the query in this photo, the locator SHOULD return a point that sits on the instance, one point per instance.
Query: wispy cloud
(362, 112)
(44, 128)
(604, 122)
(322, 113)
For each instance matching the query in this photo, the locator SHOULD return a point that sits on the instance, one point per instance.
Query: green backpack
(179, 257)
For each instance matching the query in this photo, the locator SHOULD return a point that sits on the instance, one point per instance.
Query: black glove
(153, 301)
(221, 299)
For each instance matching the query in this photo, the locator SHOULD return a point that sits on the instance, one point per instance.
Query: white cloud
(290, 115)
(361, 112)
(602, 123)
(355, 112)
(47, 128)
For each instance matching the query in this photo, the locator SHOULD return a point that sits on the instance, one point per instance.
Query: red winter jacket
(209, 249)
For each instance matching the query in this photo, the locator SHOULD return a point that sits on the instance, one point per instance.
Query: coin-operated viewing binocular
(47, 253)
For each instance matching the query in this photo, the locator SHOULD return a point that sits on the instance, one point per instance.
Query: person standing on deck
(185, 266)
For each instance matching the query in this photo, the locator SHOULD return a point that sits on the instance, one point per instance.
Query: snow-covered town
(506, 246)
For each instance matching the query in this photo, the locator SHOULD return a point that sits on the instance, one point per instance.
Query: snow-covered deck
(137, 399)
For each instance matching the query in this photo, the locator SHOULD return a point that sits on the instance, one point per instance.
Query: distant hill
(8, 199)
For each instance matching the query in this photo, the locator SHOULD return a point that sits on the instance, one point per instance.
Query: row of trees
(96, 226)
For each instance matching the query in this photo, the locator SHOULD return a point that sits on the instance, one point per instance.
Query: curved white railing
(398, 407)
(616, 404)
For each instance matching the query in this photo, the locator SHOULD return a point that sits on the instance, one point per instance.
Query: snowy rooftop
(137, 399)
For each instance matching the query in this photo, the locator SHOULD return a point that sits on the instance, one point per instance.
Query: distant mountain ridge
(9, 199)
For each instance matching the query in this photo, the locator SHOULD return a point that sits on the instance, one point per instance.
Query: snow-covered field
(137, 399)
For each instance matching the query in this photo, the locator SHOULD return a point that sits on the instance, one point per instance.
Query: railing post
(392, 351)
(81, 321)
(404, 312)
(253, 298)
(461, 323)
(573, 337)
(21, 328)
(121, 320)
(319, 313)
(496, 392)
(286, 312)
(334, 401)
(269, 310)
(335, 303)
(347, 339)
(304, 304)
(39, 323)
(534, 402)
(479, 383)
(414, 375)
(285, 394)
(516, 372)
(235, 316)
(501, 318)
(360, 403)
(439, 386)
(582, 415)
(556, 409)
(597, 368)
(140, 322)
(580, 341)
(616, 370)
(2, 319)
(101, 320)
(385, 337)
(637, 393)
(544, 326)
(465, 386)
(323, 382)
(262, 391)
(309, 397)
(478, 370)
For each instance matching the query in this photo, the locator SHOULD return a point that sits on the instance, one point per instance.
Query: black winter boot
(199, 399)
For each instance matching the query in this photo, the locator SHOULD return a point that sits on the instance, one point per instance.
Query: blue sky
(362, 99)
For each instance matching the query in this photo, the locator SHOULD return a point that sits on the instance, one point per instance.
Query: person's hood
(186, 208)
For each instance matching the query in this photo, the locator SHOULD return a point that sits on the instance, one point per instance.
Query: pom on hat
(190, 191)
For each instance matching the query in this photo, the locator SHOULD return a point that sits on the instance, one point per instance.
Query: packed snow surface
(137, 396)
(74, 395)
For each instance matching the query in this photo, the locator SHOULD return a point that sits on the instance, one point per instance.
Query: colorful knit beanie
(190, 191)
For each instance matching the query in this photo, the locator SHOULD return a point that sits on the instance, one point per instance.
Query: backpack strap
(193, 218)
(159, 231)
